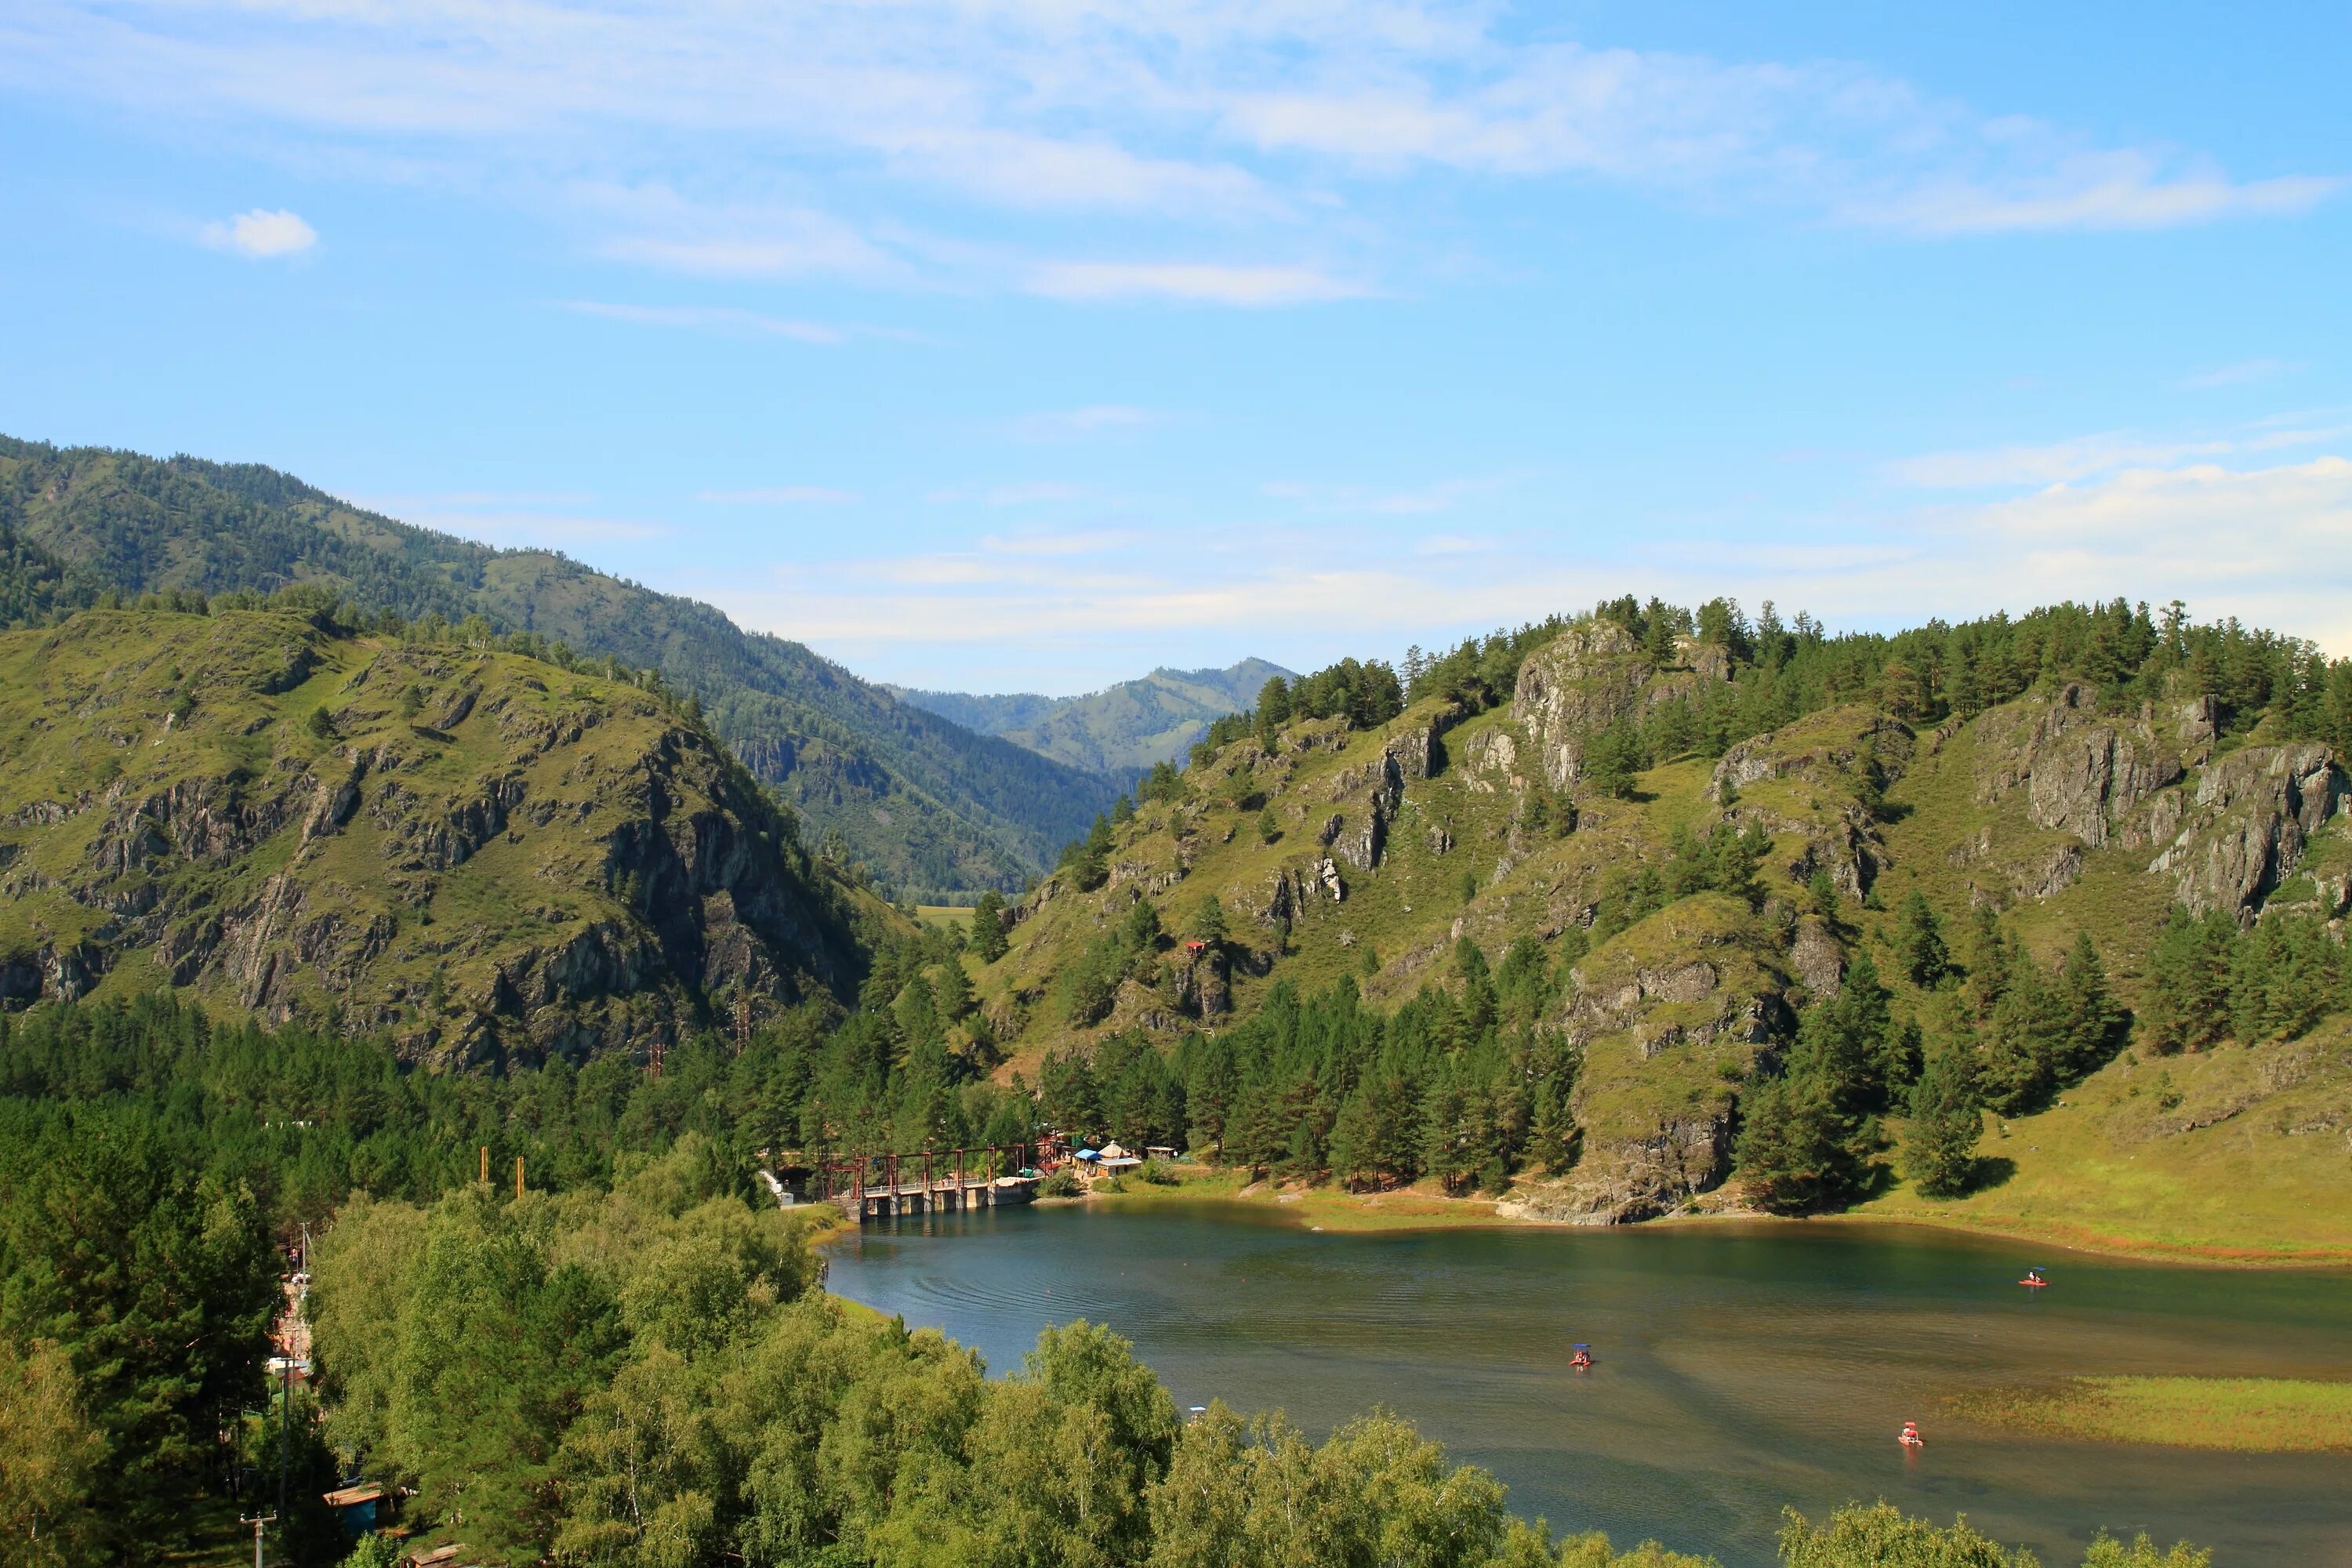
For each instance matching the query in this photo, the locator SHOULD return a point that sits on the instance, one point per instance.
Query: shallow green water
(1741, 1368)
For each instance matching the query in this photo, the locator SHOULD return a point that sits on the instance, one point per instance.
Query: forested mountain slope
(924, 803)
(1614, 910)
(474, 852)
(1119, 731)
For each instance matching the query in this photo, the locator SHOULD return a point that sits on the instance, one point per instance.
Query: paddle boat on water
(1909, 1436)
(2033, 1280)
(1582, 1359)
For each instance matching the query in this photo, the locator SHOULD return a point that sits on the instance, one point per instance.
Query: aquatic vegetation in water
(2250, 1415)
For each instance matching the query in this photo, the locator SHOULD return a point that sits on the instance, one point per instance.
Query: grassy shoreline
(1330, 1208)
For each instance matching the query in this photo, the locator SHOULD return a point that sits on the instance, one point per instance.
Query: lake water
(1741, 1368)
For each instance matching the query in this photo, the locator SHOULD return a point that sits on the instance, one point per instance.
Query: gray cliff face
(438, 880)
(1583, 681)
(2082, 774)
(1590, 677)
(1670, 1031)
(1841, 836)
(2245, 830)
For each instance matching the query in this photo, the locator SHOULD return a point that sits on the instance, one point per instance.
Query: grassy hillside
(1119, 731)
(472, 851)
(924, 803)
(1369, 854)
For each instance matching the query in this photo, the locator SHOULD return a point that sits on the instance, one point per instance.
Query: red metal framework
(852, 1176)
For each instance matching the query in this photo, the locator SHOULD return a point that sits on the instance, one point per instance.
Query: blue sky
(1029, 345)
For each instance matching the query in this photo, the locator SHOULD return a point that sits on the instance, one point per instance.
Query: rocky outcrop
(2246, 828)
(1817, 957)
(1416, 748)
(1672, 1017)
(1845, 757)
(1292, 891)
(1491, 762)
(1590, 677)
(1372, 791)
(2081, 772)
(1581, 681)
(1201, 981)
(527, 872)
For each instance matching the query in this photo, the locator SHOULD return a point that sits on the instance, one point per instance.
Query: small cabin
(1196, 947)
(355, 1507)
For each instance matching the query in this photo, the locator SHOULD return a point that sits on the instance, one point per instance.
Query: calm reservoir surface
(1740, 1368)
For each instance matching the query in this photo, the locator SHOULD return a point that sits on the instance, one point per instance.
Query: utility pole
(258, 1521)
(486, 1165)
(285, 1437)
(518, 1178)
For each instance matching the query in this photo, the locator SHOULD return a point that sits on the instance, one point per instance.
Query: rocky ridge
(476, 853)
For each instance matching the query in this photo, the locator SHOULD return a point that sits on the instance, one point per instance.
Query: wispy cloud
(2270, 544)
(1072, 424)
(1199, 281)
(1083, 541)
(1454, 544)
(2237, 374)
(810, 135)
(548, 529)
(2082, 457)
(710, 318)
(261, 234)
(779, 495)
(1034, 492)
(1444, 496)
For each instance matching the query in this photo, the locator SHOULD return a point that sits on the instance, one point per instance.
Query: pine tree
(1612, 759)
(2092, 1020)
(987, 939)
(1209, 922)
(2189, 983)
(1920, 942)
(1939, 1148)
(952, 992)
(1787, 1150)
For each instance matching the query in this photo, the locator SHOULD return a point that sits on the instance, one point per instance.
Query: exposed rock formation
(530, 872)
(1672, 1017)
(1842, 758)
(1593, 675)
(2081, 773)
(1583, 681)
(2244, 833)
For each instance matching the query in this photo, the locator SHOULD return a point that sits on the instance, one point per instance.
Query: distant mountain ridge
(1119, 731)
(923, 803)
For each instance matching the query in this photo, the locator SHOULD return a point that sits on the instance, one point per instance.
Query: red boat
(2033, 1280)
(1909, 1436)
(1582, 1359)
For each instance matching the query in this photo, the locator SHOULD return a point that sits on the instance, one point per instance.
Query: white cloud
(2130, 191)
(1083, 541)
(1034, 492)
(262, 233)
(1445, 496)
(1454, 544)
(1208, 282)
(2271, 544)
(1070, 423)
(780, 495)
(709, 318)
(2235, 374)
(2082, 457)
(1203, 113)
(552, 530)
